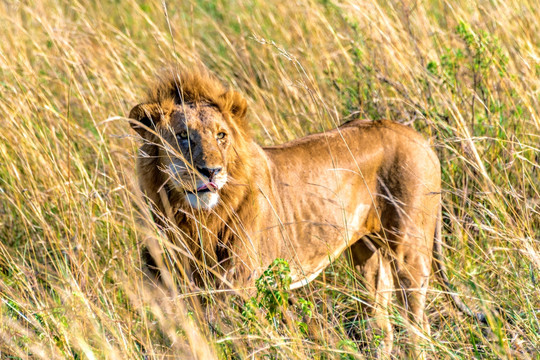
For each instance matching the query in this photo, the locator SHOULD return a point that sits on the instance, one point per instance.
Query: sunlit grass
(73, 223)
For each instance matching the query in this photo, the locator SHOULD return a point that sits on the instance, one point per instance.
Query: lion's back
(382, 140)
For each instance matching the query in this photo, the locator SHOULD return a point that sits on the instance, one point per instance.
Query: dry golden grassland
(72, 221)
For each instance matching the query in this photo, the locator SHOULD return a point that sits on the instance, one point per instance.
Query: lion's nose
(209, 172)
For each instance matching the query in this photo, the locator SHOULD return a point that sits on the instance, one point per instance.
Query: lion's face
(195, 134)
(195, 158)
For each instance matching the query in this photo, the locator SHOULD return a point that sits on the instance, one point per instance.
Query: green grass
(72, 221)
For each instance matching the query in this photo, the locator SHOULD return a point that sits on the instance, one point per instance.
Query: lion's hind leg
(376, 277)
(411, 266)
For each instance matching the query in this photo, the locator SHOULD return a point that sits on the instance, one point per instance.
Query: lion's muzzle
(202, 188)
(209, 172)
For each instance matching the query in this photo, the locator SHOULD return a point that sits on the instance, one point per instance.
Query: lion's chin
(202, 201)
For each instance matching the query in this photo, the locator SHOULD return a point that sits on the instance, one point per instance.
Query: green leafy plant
(273, 289)
(272, 298)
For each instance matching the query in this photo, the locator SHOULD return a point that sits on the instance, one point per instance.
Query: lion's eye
(221, 135)
(183, 135)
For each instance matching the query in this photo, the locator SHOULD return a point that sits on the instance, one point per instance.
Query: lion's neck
(213, 235)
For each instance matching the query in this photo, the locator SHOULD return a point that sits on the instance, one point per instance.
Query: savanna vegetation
(73, 222)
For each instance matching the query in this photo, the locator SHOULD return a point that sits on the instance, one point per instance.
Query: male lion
(372, 187)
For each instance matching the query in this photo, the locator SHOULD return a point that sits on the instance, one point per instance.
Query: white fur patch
(354, 221)
(204, 201)
(307, 279)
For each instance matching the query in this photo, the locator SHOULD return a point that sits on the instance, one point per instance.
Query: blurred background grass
(72, 223)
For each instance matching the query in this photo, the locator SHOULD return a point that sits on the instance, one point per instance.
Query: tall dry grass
(72, 222)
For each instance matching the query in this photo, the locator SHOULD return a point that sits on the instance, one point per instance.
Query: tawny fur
(372, 187)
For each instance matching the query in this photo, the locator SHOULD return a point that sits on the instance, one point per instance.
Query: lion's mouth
(207, 187)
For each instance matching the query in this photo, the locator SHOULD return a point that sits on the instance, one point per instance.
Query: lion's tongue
(210, 186)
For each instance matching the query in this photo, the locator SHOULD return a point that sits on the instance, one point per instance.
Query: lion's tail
(440, 270)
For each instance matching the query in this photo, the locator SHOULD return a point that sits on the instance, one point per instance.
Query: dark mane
(178, 86)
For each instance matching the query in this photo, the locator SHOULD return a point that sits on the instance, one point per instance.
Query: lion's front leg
(243, 269)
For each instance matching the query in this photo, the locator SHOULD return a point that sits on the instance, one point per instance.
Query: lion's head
(194, 129)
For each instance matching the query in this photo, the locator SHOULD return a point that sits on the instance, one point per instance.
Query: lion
(373, 187)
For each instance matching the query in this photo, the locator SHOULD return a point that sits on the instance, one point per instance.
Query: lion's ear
(146, 117)
(238, 104)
